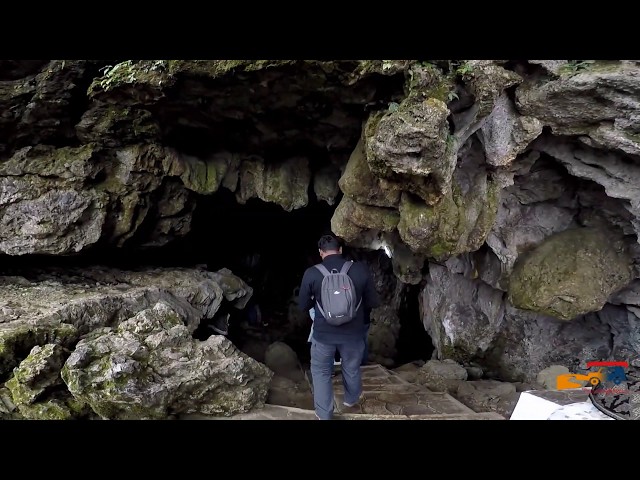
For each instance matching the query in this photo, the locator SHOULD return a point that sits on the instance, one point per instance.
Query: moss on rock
(458, 224)
(49, 410)
(359, 183)
(16, 341)
(570, 273)
(351, 218)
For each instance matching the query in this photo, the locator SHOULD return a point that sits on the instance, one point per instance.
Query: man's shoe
(221, 325)
(354, 403)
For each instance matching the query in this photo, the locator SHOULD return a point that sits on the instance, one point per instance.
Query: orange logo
(613, 371)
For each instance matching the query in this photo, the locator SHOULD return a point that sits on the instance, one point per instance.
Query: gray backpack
(338, 295)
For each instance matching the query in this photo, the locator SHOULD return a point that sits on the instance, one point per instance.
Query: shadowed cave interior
(270, 248)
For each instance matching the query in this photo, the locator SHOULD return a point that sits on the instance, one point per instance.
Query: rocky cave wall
(505, 191)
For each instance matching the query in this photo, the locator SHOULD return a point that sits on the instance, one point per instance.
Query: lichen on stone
(459, 223)
(351, 218)
(570, 273)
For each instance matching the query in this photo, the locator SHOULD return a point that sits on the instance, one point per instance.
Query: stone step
(387, 393)
(403, 403)
(279, 412)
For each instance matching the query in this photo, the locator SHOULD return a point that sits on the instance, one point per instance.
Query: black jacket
(363, 283)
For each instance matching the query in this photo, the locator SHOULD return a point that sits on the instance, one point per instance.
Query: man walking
(329, 336)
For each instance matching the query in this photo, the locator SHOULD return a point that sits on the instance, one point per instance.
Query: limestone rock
(58, 307)
(442, 376)
(459, 222)
(505, 134)
(539, 202)
(284, 184)
(359, 183)
(594, 99)
(35, 387)
(488, 396)
(43, 207)
(149, 367)
(409, 145)
(570, 273)
(350, 219)
(206, 175)
(617, 173)
(552, 66)
(325, 184)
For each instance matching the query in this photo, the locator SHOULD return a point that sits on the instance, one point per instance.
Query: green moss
(51, 410)
(459, 354)
(16, 343)
(77, 407)
(203, 177)
(634, 137)
(570, 273)
(384, 67)
(219, 68)
(18, 395)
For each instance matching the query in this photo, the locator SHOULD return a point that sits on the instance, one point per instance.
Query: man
(346, 339)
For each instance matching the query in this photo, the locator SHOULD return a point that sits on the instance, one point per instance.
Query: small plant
(393, 107)
(465, 71)
(575, 66)
(452, 95)
(387, 65)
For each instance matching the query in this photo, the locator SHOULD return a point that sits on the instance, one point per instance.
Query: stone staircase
(386, 396)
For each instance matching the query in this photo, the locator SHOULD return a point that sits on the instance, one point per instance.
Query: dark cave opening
(230, 235)
(414, 343)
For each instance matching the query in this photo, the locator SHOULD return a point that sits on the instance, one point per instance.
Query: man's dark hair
(328, 242)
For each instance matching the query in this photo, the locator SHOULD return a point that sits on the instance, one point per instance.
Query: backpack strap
(324, 272)
(346, 266)
(322, 269)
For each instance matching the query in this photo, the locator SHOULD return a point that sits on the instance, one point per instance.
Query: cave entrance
(269, 248)
(414, 343)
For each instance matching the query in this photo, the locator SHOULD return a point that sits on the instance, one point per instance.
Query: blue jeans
(322, 356)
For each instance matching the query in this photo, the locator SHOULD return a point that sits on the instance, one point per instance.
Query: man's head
(329, 245)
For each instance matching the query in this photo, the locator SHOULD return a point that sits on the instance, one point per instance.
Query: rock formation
(506, 190)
